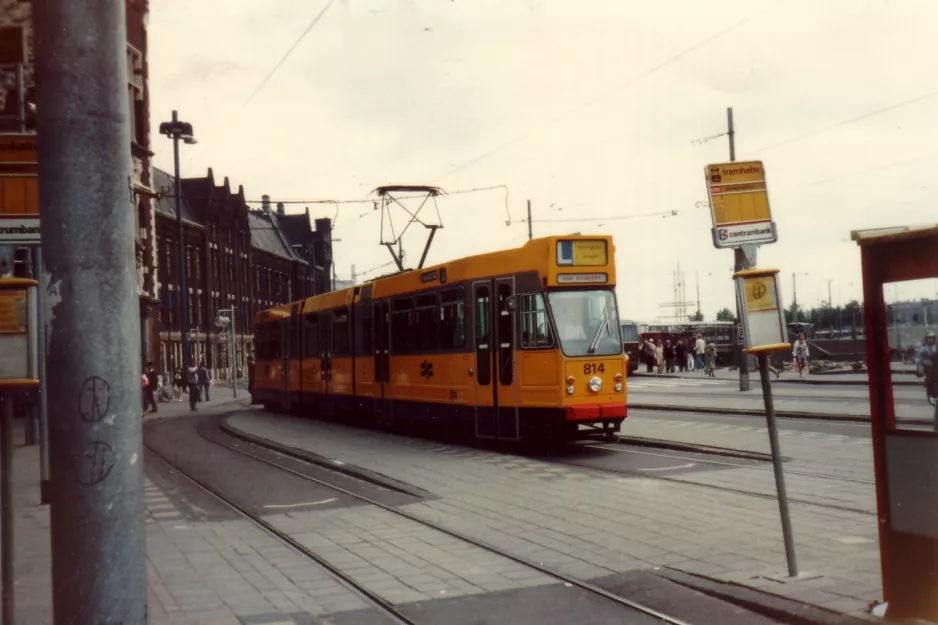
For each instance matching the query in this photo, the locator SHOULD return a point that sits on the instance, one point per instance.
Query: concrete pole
(45, 484)
(97, 515)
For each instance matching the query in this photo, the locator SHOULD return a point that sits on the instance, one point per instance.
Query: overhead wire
(299, 39)
(619, 87)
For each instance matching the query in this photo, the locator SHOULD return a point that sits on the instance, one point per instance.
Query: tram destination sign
(19, 189)
(739, 204)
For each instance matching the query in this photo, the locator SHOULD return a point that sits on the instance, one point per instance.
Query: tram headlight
(570, 390)
(618, 387)
(596, 384)
(618, 377)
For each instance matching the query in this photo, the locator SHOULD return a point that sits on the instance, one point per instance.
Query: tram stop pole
(790, 555)
(764, 330)
(86, 198)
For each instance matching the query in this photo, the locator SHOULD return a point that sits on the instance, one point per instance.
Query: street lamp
(229, 322)
(794, 294)
(177, 130)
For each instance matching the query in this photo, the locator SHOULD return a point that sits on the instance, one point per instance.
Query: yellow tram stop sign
(760, 305)
(739, 204)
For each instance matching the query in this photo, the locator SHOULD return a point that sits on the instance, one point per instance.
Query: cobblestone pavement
(589, 524)
(199, 573)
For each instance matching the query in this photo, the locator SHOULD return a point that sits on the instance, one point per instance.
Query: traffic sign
(19, 189)
(739, 204)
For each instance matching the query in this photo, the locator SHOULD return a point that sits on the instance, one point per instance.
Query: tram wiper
(603, 325)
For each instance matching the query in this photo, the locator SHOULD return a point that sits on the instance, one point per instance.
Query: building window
(135, 96)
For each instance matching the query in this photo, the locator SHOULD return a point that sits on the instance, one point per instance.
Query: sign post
(763, 321)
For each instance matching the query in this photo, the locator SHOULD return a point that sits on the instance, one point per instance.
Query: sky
(602, 114)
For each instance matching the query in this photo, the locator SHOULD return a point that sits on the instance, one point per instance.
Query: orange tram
(521, 344)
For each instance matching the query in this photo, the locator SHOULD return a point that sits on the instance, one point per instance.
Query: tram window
(483, 336)
(425, 324)
(367, 331)
(452, 325)
(402, 339)
(340, 331)
(535, 329)
(260, 342)
(311, 330)
(505, 336)
(274, 341)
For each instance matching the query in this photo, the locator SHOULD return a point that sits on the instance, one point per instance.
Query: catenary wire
(627, 83)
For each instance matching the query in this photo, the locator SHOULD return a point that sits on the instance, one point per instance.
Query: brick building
(235, 258)
(16, 34)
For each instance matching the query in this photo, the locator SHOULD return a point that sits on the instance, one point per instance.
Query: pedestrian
(711, 360)
(800, 353)
(205, 381)
(192, 381)
(251, 377)
(648, 350)
(669, 356)
(700, 349)
(659, 358)
(681, 355)
(149, 391)
(690, 355)
(179, 384)
(144, 382)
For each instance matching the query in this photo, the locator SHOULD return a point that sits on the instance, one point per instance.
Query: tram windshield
(587, 322)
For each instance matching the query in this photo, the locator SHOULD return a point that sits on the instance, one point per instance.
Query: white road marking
(299, 505)
(680, 466)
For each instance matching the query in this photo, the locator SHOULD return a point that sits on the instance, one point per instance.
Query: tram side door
(286, 334)
(382, 363)
(325, 362)
(486, 394)
(504, 361)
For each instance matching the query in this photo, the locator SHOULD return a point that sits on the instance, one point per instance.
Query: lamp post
(177, 130)
(794, 295)
(229, 322)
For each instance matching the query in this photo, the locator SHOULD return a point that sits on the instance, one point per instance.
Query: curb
(376, 479)
(762, 602)
(641, 441)
(781, 414)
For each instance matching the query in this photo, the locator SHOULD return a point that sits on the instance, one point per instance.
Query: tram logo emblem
(759, 290)
(426, 369)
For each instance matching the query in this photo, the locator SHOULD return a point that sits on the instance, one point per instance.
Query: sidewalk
(592, 524)
(199, 572)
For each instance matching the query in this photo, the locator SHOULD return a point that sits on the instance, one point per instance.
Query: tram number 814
(590, 368)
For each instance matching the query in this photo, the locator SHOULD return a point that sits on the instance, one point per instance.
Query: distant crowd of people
(665, 357)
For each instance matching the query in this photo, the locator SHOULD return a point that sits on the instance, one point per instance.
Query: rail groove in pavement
(562, 577)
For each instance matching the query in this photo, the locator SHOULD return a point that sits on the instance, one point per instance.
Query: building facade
(16, 45)
(235, 258)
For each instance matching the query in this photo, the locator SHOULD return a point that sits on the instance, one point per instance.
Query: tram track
(560, 577)
(209, 432)
(737, 491)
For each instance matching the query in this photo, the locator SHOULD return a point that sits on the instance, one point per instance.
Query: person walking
(700, 349)
(149, 391)
(205, 381)
(659, 358)
(681, 354)
(179, 384)
(192, 381)
(251, 377)
(648, 351)
(669, 357)
(711, 360)
(800, 353)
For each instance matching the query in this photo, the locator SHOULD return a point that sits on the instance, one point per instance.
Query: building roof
(890, 235)
(165, 186)
(267, 236)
